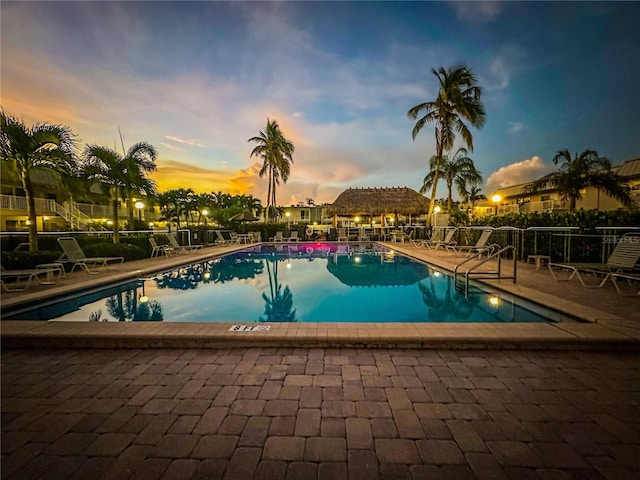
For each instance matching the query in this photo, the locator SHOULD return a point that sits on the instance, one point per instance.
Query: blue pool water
(294, 283)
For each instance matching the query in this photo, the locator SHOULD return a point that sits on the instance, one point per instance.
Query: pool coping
(604, 331)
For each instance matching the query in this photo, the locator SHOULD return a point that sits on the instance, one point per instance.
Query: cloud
(187, 141)
(516, 173)
(477, 11)
(515, 127)
(506, 63)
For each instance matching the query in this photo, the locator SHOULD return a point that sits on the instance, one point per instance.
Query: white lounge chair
(181, 248)
(22, 279)
(623, 258)
(445, 241)
(220, 240)
(279, 237)
(294, 236)
(629, 279)
(74, 254)
(156, 249)
(479, 248)
(342, 235)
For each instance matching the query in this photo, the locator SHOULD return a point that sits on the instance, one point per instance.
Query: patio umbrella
(244, 217)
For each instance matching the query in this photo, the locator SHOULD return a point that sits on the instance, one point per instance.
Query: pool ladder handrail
(497, 274)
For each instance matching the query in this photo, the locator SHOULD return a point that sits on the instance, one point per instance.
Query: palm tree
(460, 171)
(458, 99)
(473, 195)
(137, 168)
(278, 306)
(579, 172)
(43, 146)
(120, 174)
(277, 156)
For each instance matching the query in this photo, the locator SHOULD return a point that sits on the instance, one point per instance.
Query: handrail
(489, 274)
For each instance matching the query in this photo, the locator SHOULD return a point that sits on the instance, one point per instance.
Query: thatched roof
(377, 201)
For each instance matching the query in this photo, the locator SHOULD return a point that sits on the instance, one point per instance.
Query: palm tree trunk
(114, 216)
(432, 200)
(130, 211)
(268, 196)
(31, 211)
(449, 187)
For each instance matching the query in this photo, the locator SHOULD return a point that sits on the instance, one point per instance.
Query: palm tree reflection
(453, 307)
(279, 303)
(125, 305)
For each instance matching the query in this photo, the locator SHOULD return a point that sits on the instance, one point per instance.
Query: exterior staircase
(70, 212)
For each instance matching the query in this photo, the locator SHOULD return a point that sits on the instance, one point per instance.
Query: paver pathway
(328, 414)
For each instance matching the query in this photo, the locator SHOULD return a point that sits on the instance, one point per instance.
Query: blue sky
(197, 79)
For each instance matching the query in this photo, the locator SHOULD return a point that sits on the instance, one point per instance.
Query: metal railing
(491, 274)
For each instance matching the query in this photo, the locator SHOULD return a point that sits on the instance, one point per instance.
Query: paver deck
(287, 413)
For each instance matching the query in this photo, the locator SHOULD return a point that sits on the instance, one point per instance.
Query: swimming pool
(294, 283)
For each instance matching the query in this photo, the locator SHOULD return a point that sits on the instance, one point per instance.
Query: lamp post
(436, 210)
(205, 212)
(496, 199)
(139, 205)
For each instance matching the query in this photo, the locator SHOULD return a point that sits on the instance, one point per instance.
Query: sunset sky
(197, 79)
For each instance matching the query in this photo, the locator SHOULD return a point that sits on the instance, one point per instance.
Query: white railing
(541, 206)
(76, 218)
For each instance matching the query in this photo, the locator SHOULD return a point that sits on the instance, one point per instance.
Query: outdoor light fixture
(205, 212)
(151, 224)
(496, 199)
(357, 259)
(139, 205)
(494, 301)
(436, 274)
(144, 299)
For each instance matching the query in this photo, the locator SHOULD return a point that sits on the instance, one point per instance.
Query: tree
(579, 172)
(460, 171)
(458, 99)
(137, 167)
(120, 174)
(276, 153)
(42, 146)
(473, 195)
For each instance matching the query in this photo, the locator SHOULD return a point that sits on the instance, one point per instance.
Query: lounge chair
(181, 248)
(445, 240)
(479, 248)
(22, 279)
(156, 249)
(342, 235)
(629, 278)
(279, 237)
(74, 254)
(220, 240)
(294, 236)
(623, 257)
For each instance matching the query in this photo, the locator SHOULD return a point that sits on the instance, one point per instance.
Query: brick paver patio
(285, 413)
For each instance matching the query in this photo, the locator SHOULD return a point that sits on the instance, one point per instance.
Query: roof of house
(377, 201)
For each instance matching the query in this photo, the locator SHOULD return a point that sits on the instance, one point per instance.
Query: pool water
(295, 283)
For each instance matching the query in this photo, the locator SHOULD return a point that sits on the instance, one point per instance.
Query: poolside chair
(279, 237)
(628, 278)
(479, 248)
(74, 254)
(22, 279)
(443, 240)
(342, 235)
(623, 258)
(294, 236)
(220, 240)
(173, 241)
(156, 249)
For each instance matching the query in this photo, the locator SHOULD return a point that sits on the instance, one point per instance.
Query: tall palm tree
(473, 195)
(42, 146)
(579, 172)
(137, 168)
(458, 99)
(119, 173)
(460, 171)
(276, 153)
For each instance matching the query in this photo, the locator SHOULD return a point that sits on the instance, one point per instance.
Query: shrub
(25, 260)
(126, 250)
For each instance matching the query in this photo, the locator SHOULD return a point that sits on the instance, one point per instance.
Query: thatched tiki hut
(378, 201)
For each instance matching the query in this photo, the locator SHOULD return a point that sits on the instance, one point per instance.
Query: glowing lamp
(494, 301)
(496, 198)
(437, 209)
(139, 205)
(144, 299)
